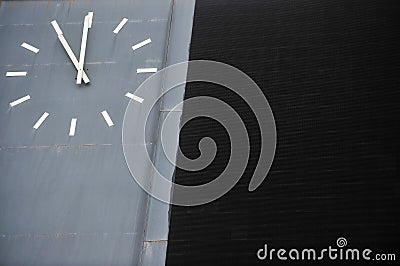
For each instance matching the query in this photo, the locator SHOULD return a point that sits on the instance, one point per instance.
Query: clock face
(68, 78)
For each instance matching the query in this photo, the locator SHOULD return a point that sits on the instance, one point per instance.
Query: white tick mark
(120, 25)
(141, 44)
(146, 70)
(20, 100)
(107, 118)
(41, 120)
(134, 97)
(30, 47)
(16, 74)
(72, 128)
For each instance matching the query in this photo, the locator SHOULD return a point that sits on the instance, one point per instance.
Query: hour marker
(134, 97)
(30, 47)
(141, 44)
(16, 74)
(72, 127)
(120, 25)
(20, 100)
(107, 118)
(146, 70)
(41, 120)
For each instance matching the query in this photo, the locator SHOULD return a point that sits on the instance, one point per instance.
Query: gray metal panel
(70, 250)
(58, 206)
(157, 226)
(68, 189)
(154, 253)
(66, 200)
(158, 217)
(181, 33)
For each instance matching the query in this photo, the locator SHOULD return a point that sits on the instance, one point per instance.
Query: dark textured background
(330, 70)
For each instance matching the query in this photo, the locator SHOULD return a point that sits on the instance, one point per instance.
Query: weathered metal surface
(71, 200)
(69, 205)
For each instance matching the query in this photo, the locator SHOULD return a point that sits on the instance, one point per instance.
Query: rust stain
(156, 241)
(61, 235)
(58, 146)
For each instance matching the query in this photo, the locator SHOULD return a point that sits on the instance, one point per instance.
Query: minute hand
(68, 48)
(83, 50)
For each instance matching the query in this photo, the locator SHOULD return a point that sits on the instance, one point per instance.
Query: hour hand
(68, 49)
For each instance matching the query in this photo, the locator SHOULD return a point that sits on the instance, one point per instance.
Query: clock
(73, 83)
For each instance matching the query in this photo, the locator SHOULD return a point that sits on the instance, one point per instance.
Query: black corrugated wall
(330, 70)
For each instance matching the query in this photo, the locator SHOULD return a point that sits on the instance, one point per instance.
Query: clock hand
(68, 48)
(86, 25)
